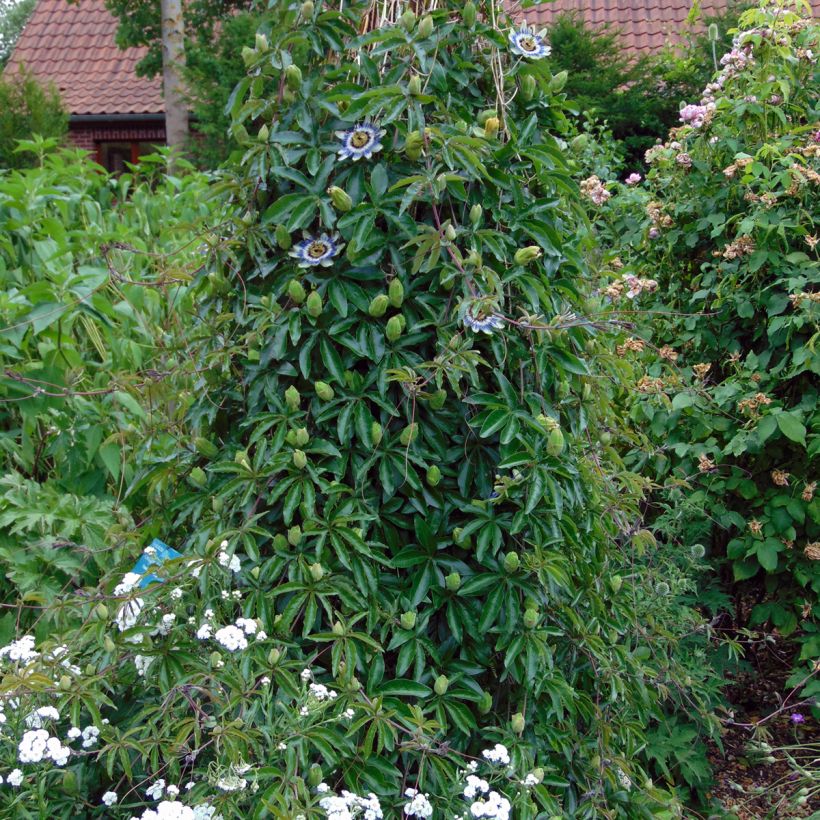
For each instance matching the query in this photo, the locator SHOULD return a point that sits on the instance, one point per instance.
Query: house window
(113, 156)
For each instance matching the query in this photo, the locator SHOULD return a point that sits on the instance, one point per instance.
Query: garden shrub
(730, 389)
(404, 569)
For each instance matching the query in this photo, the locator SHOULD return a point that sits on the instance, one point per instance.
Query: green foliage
(13, 16)
(27, 109)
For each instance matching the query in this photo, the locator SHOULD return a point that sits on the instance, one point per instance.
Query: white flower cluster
(498, 755)
(231, 638)
(485, 803)
(226, 560)
(37, 744)
(21, 651)
(419, 805)
(349, 805)
(321, 692)
(36, 718)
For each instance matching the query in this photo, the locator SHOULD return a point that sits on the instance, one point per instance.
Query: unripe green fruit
(264, 133)
(408, 20)
(491, 127)
(453, 582)
(441, 685)
(338, 629)
(307, 9)
(517, 723)
(302, 437)
(461, 540)
(555, 442)
(205, 447)
(296, 291)
(605, 437)
(279, 541)
(408, 620)
(273, 657)
(485, 703)
(393, 329)
(282, 237)
(579, 143)
(376, 433)
(261, 42)
(378, 306)
(402, 321)
(437, 399)
(395, 293)
(315, 776)
(101, 612)
(538, 774)
(528, 87)
(433, 475)
(324, 391)
(292, 398)
(511, 561)
(483, 116)
(558, 81)
(410, 433)
(109, 644)
(65, 683)
(616, 582)
(69, 782)
(299, 459)
(413, 145)
(290, 437)
(469, 14)
(450, 232)
(523, 256)
(293, 77)
(217, 503)
(314, 304)
(317, 572)
(340, 198)
(414, 85)
(531, 618)
(197, 477)
(425, 27)
(294, 535)
(476, 213)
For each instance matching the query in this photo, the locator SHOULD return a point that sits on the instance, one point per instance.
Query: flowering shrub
(729, 232)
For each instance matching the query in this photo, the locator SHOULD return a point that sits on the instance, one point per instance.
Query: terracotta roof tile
(643, 25)
(73, 46)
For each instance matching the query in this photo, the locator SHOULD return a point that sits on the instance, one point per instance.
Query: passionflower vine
(528, 43)
(483, 322)
(363, 140)
(316, 250)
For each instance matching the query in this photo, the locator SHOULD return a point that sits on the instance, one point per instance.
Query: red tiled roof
(643, 25)
(73, 46)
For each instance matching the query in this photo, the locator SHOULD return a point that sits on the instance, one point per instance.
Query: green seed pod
(376, 433)
(314, 304)
(340, 198)
(408, 620)
(408, 20)
(393, 329)
(528, 87)
(264, 133)
(523, 256)
(101, 612)
(279, 542)
(425, 27)
(538, 774)
(302, 436)
(296, 291)
(483, 116)
(450, 233)
(294, 535)
(437, 399)
(485, 703)
(273, 656)
(293, 77)
(402, 322)
(69, 782)
(579, 143)
(248, 55)
(205, 447)
(282, 237)
(469, 14)
(395, 293)
(315, 776)
(324, 391)
(409, 434)
(511, 562)
(475, 214)
(217, 503)
(473, 260)
(453, 582)
(338, 629)
(307, 9)
(216, 659)
(292, 398)
(413, 145)
(491, 127)
(531, 618)
(261, 42)
(616, 582)
(414, 85)
(317, 572)
(517, 723)
(197, 477)
(433, 475)
(555, 442)
(558, 81)
(299, 459)
(461, 540)
(290, 437)
(109, 644)
(441, 685)
(378, 306)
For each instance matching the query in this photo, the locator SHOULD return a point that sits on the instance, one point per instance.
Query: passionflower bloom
(316, 250)
(483, 323)
(527, 43)
(363, 140)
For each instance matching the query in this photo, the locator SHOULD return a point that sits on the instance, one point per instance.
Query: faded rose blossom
(705, 464)
(631, 345)
(654, 233)
(808, 491)
(812, 551)
(633, 179)
(780, 478)
(755, 527)
(684, 159)
(700, 370)
(668, 353)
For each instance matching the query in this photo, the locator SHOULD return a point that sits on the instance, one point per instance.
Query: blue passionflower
(484, 323)
(527, 43)
(363, 140)
(317, 250)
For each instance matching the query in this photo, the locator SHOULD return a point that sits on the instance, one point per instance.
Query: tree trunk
(173, 63)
